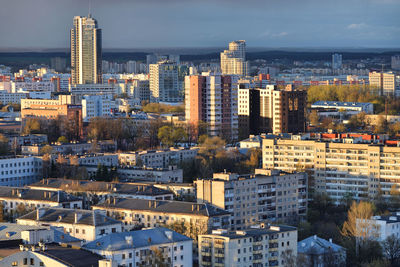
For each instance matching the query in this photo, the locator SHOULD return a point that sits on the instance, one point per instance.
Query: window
(130, 255)
(77, 231)
(25, 261)
(181, 247)
(113, 230)
(32, 261)
(83, 231)
(41, 263)
(102, 231)
(123, 256)
(14, 263)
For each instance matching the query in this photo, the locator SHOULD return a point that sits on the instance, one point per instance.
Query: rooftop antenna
(90, 6)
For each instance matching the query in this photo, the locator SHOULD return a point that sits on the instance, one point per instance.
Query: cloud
(356, 26)
(270, 35)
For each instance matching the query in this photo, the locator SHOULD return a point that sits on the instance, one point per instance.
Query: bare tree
(391, 249)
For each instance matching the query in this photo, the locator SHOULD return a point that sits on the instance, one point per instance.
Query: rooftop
(72, 257)
(317, 245)
(179, 207)
(69, 216)
(390, 218)
(256, 231)
(94, 186)
(36, 194)
(341, 104)
(136, 239)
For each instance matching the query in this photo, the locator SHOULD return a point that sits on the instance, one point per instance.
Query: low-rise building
(71, 148)
(132, 174)
(154, 213)
(15, 198)
(158, 158)
(20, 171)
(317, 252)
(268, 195)
(347, 106)
(145, 247)
(87, 225)
(54, 255)
(384, 226)
(104, 190)
(98, 159)
(258, 247)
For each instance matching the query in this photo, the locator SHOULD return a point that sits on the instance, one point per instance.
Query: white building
(386, 83)
(98, 159)
(164, 83)
(133, 174)
(233, 61)
(96, 106)
(385, 225)
(347, 106)
(87, 225)
(396, 62)
(93, 89)
(32, 86)
(158, 158)
(259, 246)
(14, 98)
(20, 171)
(139, 247)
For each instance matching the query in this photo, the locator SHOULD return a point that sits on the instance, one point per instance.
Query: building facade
(338, 168)
(20, 171)
(164, 84)
(270, 110)
(233, 61)
(266, 196)
(212, 99)
(257, 247)
(86, 49)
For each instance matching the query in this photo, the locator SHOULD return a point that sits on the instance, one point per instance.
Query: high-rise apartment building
(233, 61)
(267, 195)
(385, 82)
(164, 83)
(336, 61)
(339, 168)
(86, 49)
(396, 62)
(257, 247)
(212, 99)
(270, 110)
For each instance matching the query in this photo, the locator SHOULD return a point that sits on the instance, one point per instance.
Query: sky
(205, 23)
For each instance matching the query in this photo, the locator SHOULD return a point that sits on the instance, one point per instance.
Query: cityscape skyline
(309, 24)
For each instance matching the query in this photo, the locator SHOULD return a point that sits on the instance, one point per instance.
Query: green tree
(62, 140)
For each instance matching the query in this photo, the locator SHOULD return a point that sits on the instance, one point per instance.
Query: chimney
(39, 213)
(78, 216)
(315, 237)
(94, 217)
(330, 240)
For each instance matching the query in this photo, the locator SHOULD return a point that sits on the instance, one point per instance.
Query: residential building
(93, 89)
(138, 88)
(385, 83)
(271, 110)
(317, 252)
(95, 159)
(86, 49)
(212, 99)
(158, 158)
(17, 198)
(336, 61)
(262, 245)
(61, 100)
(384, 225)
(96, 106)
(346, 106)
(54, 255)
(268, 195)
(338, 167)
(164, 84)
(395, 62)
(233, 61)
(103, 190)
(138, 248)
(155, 213)
(20, 171)
(142, 174)
(31, 86)
(13, 98)
(87, 225)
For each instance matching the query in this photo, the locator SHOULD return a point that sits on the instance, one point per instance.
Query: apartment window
(123, 256)
(32, 261)
(77, 231)
(14, 263)
(130, 255)
(181, 247)
(113, 230)
(102, 231)
(83, 231)
(25, 261)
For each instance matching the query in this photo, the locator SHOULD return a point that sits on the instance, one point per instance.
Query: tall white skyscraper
(336, 61)
(233, 61)
(86, 51)
(164, 83)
